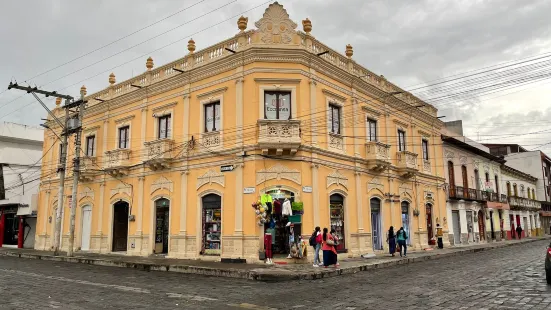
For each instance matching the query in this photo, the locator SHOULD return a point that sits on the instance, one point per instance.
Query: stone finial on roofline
(83, 90)
(307, 26)
(149, 64)
(275, 26)
(349, 51)
(191, 46)
(112, 79)
(57, 102)
(242, 23)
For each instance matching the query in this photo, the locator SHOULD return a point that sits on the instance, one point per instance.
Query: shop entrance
(470, 227)
(376, 233)
(276, 224)
(456, 227)
(336, 209)
(10, 226)
(212, 225)
(525, 229)
(86, 228)
(492, 231)
(512, 223)
(405, 219)
(430, 230)
(120, 226)
(162, 220)
(481, 226)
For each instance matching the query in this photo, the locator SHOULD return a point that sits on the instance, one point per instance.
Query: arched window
(508, 189)
(515, 190)
(529, 193)
(522, 191)
(533, 194)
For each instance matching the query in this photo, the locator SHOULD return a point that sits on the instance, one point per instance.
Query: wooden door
(465, 181)
(120, 226)
(430, 230)
(481, 226)
(451, 176)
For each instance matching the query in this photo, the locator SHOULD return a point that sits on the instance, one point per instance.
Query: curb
(265, 275)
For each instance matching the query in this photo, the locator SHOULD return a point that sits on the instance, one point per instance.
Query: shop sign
(226, 168)
(307, 189)
(249, 190)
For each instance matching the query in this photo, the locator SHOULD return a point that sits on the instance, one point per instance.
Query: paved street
(506, 278)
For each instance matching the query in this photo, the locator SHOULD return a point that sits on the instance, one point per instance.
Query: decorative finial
(242, 23)
(307, 26)
(57, 102)
(112, 79)
(191, 46)
(149, 64)
(349, 51)
(83, 91)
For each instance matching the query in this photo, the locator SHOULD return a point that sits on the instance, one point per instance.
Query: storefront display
(212, 225)
(336, 210)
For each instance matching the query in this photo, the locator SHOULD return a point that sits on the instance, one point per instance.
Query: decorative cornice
(124, 119)
(212, 92)
(401, 123)
(164, 107)
(329, 93)
(370, 110)
(91, 129)
(277, 80)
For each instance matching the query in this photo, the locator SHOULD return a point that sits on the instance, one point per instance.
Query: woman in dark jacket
(391, 239)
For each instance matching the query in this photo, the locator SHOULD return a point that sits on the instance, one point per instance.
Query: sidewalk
(259, 272)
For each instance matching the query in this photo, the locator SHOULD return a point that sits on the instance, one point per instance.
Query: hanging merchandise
(260, 211)
(287, 210)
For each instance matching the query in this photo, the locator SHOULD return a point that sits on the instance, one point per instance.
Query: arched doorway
(85, 228)
(276, 224)
(430, 230)
(376, 230)
(481, 225)
(212, 224)
(120, 226)
(405, 219)
(162, 220)
(336, 209)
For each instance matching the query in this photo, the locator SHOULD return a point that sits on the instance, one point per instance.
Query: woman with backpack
(329, 252)
(315, 242)
(402, 236)
(391, 239)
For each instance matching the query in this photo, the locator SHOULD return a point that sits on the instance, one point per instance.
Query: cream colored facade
(319, 148)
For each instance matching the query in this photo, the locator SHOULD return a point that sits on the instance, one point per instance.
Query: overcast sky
(410, 42)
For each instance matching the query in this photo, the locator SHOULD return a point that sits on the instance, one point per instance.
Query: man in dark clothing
(519, 231)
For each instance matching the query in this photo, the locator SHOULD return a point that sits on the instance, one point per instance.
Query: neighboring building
(534, 163)
(476, 204)
(524, 206)
(20, 160)
(177, 155)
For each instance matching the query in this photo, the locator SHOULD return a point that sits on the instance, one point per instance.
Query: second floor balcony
(117, 161)
(406, 163)
(377, 155)
(88, 168)
(278, 137)
(464, 193)
(159, 153)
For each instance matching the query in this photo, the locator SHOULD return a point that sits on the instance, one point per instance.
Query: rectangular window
(212, 116)
(90, 143)
(372, 130)
(277, 105)
(335, 119)
(163, 130)
(401, 140)
(425, 145)
(124, 133)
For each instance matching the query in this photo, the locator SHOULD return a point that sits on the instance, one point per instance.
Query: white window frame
(160, 111)
(333, 100)
(370, 120)
(424, 142)
(94, 146)
(129, 144)
(201, 123)
(264, 88)
(400, 149)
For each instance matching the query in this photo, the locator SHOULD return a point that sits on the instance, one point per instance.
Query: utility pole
(63, 155)
(76, 172)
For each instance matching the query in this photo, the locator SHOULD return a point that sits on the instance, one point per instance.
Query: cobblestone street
(505, 278)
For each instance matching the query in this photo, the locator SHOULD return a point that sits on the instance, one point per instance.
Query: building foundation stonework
(187, 169)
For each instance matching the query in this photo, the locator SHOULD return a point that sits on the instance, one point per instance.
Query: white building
(20, 161)
(536, 164)
(476, 205)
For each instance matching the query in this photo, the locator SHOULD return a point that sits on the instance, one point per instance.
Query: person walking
(440, 236)
(519, 231)
(391, 240)
(328, 248)
(402, 236)
(315, 242)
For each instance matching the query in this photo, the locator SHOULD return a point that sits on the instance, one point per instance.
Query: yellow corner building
(175, 158)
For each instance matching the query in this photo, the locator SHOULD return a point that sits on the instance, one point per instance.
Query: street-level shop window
(425, 146)
(335, 119)
(277, 105)
(212, 116)
(336, 209)
(212, 224)
(401, 140)
(163, 130)
(124, 136)
(90, 143)
(372, 130)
